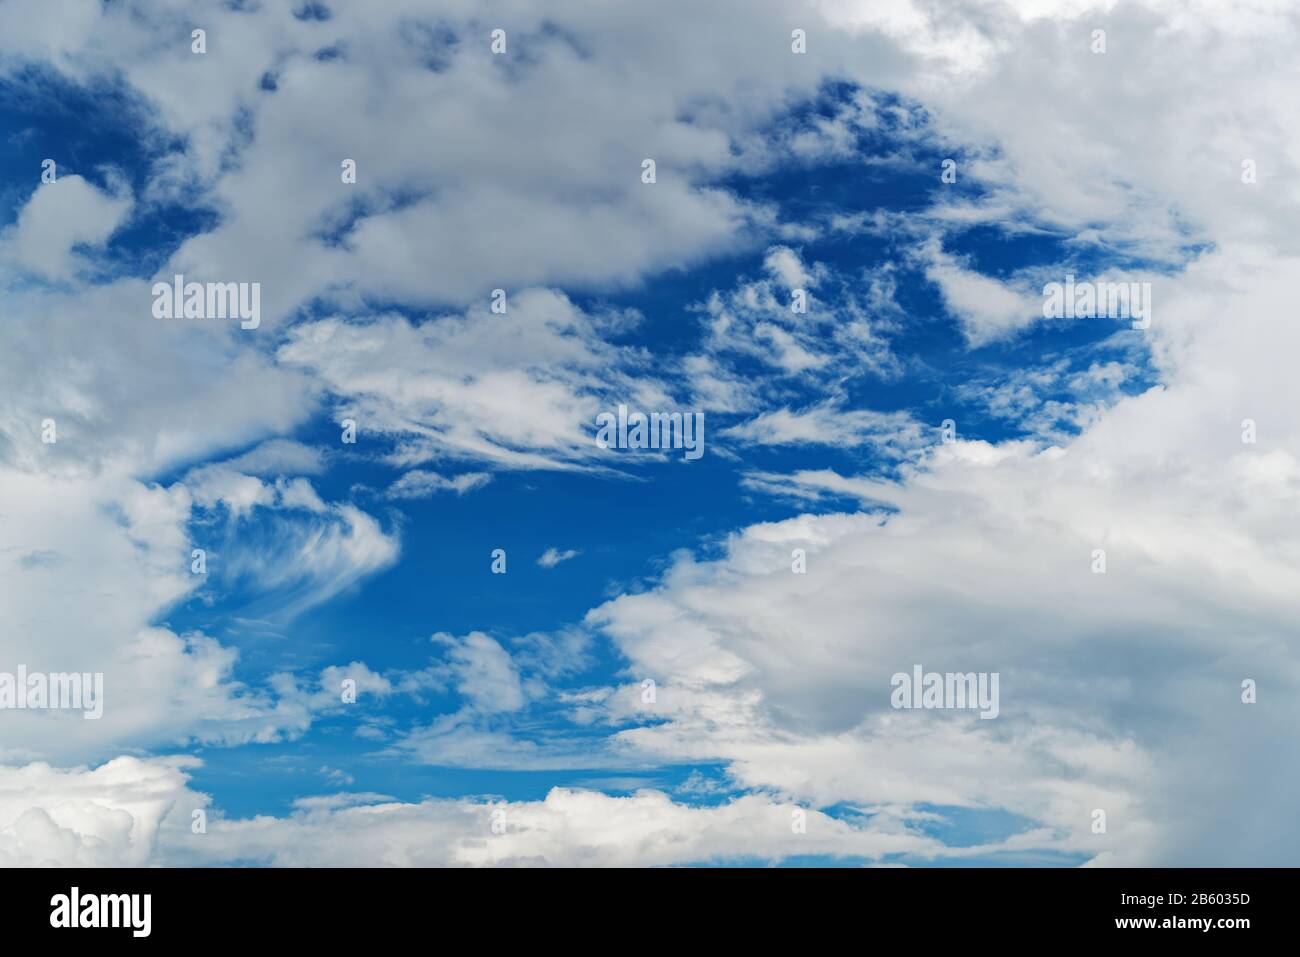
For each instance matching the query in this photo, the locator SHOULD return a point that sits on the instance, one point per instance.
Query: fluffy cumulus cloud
(128, 442)
(132, 811)
(984, 558)
(87, 817)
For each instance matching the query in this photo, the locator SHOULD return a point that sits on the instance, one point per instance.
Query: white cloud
(108, 816)
(1107, 677)
(986, 565)
(484, 673)
(895, 433)
(181, 392)
(418, 483)
(784, 264)
(839, 334)
(139, 811)
(312, 551)
(60, 216)
(517, 391)
(987, 308)
(553, 556)
(278, 457)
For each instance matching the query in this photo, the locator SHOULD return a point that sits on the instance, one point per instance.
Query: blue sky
(521, 691)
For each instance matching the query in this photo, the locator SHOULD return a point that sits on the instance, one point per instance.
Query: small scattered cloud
(553, 556)
(418, 483)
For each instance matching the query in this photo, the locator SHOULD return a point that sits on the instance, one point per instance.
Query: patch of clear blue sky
(625, 529)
